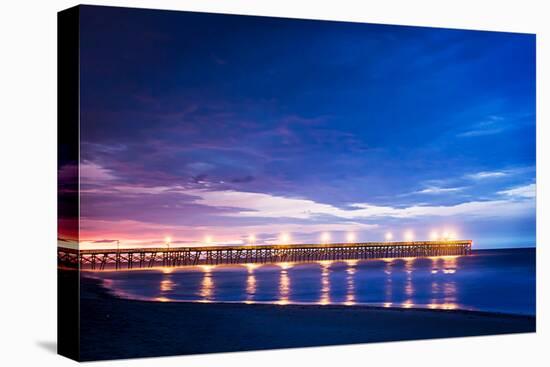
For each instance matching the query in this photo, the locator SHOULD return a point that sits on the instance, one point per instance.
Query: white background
(28, 182)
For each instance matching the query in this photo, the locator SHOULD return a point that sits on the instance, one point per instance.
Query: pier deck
(100, 259)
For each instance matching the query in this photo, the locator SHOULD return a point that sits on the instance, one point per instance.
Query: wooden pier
(100, 259)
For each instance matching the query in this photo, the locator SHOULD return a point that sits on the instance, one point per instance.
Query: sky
(211, 128)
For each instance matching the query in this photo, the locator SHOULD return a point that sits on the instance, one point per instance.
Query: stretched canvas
(234, 183)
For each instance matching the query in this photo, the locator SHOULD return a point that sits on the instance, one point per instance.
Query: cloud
(241, 204)
(480, 132)
(270, 206)
(490, 126)
(116, 211)
(140, 214)
(142, 233)
(487, 174)
(507, 172)
(497, 124)
(263, 205)
(489, 208)
(526, 191)
(92, 173)
(438, 190)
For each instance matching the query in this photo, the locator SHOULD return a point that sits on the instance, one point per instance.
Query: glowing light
(325, 237)
(448, 235)
(350, 237)
(208, 239)
(251, 239)
(409, 236)
(449, 306)
(284, 238)
(168, 240)
(407, 304)
(285, 265)
(449, 264)
(251, 267)
(206, 268)
(166, 285)
(351, 263)
(389, 236)
(434, 236)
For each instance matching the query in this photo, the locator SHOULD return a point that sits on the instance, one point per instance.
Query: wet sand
(114, 328)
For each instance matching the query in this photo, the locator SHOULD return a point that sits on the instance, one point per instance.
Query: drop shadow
(48, 345)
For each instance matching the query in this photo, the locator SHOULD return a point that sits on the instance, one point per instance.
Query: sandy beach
(114, 328)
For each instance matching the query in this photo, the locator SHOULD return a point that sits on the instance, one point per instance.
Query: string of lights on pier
(350, 237)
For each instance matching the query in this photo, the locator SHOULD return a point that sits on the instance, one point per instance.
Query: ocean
(488, 280)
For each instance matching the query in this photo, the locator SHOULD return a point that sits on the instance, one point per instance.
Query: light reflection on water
(166, 285)
(207, 284)
(447, 282)
(409, 288)
(250, 282)
(325, 283)
(350, 284)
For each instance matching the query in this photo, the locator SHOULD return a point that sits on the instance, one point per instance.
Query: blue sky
(200, 125)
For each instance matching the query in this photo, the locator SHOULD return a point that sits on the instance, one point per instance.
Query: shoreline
(113, 327)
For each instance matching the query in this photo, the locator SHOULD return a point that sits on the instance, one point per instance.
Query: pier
(101, 259)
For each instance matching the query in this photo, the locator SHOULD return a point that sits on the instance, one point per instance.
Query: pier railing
(100, 259)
